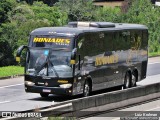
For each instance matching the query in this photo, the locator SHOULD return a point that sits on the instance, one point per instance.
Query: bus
(82, 57)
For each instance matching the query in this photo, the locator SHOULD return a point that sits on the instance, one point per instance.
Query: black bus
(82, 57)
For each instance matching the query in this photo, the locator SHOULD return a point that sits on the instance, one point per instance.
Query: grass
(154, 54)
(11, 70)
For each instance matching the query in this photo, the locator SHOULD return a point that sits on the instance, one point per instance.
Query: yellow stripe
(62, 81)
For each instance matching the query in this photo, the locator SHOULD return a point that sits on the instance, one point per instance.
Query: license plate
(46, 90)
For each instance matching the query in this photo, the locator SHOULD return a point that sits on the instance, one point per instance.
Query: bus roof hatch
(91, 24)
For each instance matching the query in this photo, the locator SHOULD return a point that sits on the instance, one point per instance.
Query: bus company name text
(106, 60)
(52, 40)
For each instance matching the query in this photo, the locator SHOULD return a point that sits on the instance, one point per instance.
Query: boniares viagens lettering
(106, 60)
(52, 40)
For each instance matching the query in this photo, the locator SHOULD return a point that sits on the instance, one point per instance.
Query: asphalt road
(14, 98)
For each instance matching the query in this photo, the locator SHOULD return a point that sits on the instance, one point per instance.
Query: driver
(40, 61)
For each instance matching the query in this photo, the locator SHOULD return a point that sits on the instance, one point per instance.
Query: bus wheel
(44, 94)
(86, 89)
(134, 79)
(127, 81)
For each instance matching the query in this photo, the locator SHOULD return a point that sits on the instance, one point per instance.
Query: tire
(134, 79)
(44, 95)
(86, 89)
(127, 81)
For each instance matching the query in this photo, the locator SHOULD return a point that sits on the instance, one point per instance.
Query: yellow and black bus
(82, 57)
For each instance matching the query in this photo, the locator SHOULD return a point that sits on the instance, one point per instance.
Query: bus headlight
(29, 83)
(65, 85)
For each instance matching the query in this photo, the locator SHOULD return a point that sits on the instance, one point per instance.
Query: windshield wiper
(46, 64)
(54, 69)
(38, 69)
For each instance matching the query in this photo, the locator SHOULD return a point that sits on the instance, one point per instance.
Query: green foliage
(77, 10)
(143, 12)
(50, 14)
(11, 70)
(20, 21)
(5, 6)
(107, 14)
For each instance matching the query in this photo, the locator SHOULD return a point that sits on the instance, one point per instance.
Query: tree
(143, 12)
(107, 14)
(77, 10)
(21, 20)
(5, 7)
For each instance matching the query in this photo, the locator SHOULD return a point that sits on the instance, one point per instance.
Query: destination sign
(53, 40)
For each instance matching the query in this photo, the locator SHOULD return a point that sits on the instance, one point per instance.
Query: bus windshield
(49, 62)
(51, 42)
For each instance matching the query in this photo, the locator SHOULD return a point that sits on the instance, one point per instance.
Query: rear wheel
(44, 95)
(134, 79)
(86, 89)
(127, 81)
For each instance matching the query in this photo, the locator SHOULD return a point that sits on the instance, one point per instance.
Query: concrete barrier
(103, 102)
(114, 100)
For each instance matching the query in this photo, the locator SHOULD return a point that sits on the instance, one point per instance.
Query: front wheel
(86, 89)
(127, 81)
(44, 95)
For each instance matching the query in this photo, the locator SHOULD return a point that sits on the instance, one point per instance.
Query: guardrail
(102, 102)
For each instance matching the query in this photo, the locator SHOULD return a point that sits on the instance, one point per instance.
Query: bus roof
(75, 30)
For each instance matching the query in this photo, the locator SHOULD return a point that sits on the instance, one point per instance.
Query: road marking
(4, 102)
(153, 63)
(152, 109)
(117, 118)
(11, 85)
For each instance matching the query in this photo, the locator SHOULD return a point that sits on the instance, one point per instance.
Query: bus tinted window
(108, 41)
(136, 39)
(145, 39)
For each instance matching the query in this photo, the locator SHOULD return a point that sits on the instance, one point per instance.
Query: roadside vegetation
(19, 17)
(11, 71)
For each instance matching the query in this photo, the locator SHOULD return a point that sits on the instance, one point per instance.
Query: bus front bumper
(48, 90)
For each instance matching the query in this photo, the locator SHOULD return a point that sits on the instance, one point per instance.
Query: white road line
(153, 63)
(117, 118)
(4, 102)
(11, 85)
(153, 109)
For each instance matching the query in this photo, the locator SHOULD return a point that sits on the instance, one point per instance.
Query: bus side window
(136, 40)
(121, 41)
(125, 39)
(108, 42)
(117, 41)
(144, 39)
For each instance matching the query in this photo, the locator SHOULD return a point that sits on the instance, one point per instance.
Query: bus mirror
(73, 56)
(72, 62)
(19, 51)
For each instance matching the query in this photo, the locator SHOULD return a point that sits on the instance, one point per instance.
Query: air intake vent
(91, 24)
